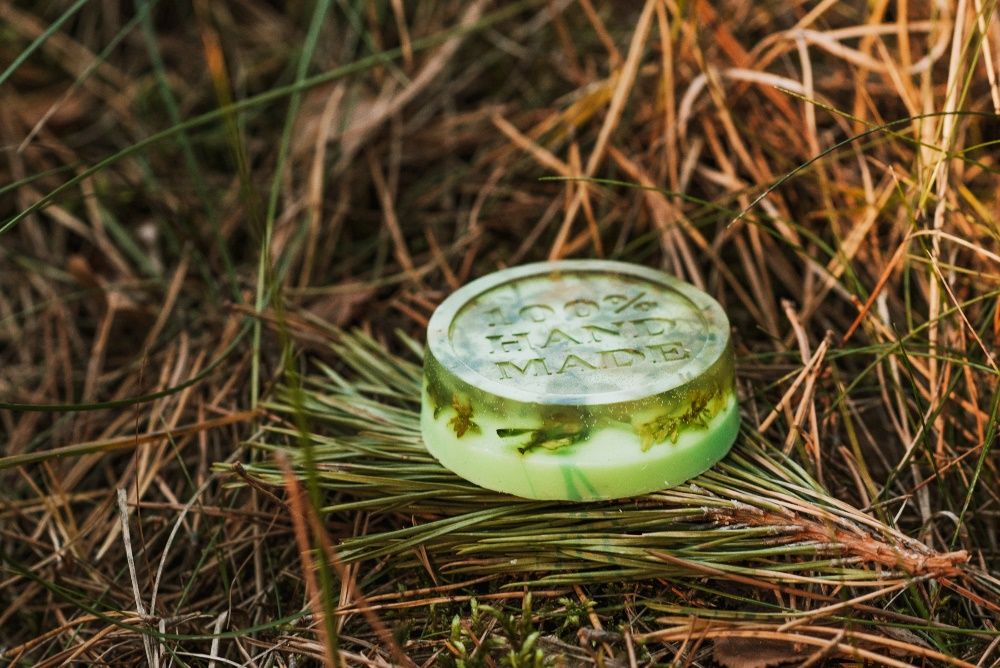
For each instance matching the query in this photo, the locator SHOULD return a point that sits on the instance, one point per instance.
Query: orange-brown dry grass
(863, 290)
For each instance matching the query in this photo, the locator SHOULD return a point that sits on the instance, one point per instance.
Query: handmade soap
(579, 380)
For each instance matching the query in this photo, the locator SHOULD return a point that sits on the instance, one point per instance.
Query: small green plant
(490, 636)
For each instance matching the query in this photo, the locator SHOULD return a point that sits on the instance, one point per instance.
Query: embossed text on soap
(600, 334)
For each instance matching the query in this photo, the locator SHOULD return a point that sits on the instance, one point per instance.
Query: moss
(439, 395)
(705, 405)
(551, 438)
(462, 421)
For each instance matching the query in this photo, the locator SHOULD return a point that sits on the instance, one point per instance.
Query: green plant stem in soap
(579, 380)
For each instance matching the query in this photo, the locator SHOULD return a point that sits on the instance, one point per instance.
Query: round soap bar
(580, 380)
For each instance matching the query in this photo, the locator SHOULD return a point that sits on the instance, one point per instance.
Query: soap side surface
(611, 460)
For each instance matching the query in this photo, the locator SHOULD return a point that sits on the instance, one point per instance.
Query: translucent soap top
(578, 332)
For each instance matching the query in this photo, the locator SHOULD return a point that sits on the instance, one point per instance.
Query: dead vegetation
(200, 467)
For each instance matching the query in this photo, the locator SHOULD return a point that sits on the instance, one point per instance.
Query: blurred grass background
(223, 227)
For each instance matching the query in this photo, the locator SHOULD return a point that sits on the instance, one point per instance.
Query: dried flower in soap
(703, 407)
(550, 438)
(462, 422)
(440, 397)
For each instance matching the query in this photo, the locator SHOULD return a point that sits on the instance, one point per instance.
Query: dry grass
(200, 468)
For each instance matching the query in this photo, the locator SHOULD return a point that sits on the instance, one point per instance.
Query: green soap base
(608, 465)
